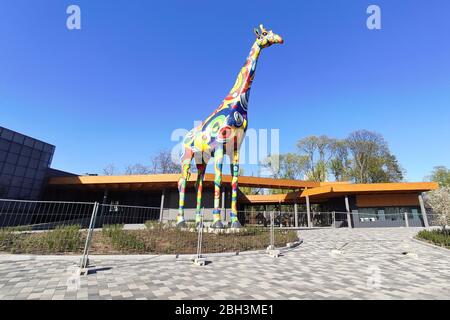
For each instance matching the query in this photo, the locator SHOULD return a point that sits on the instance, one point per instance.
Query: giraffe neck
(246, 75)
(238, 96)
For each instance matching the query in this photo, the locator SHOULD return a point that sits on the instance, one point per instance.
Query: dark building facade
(24, 165)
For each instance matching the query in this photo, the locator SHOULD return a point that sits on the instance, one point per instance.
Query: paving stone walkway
(330, 264)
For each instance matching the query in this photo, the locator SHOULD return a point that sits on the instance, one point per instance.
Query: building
(24, 165)
(380, 200)
(25, 174)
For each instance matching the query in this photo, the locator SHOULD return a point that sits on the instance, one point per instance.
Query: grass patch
(157, 238)
(438, 237)
(122, 239)
(63, 239)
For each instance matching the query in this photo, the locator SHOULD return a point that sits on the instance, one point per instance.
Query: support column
(308, 212)
(347, 208)
(279, 213)
(99, 220)
(161, 208)
(105, 197)
(296, 215)
(406, 219)
(224, 210)
(424, 212)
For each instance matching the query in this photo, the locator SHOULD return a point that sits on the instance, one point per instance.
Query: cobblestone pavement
(330, 264)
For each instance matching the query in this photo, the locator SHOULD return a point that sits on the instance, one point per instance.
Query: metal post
(296, 214)
(406, 219)
(279, 213)
(272, 230)
(308, 212)
(85, 259)
(161, 208)
(200, 238)
(347, 207)
(333, 219)
(424, 212)
(224, 211)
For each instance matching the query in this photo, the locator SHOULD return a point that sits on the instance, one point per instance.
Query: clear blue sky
(114, 91)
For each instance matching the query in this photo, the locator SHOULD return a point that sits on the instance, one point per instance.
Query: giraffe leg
(185, 173)
(218, 162)
(234, 190)
(199, 185)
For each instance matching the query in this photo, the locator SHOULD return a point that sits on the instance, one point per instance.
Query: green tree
(318, 152)
(372, 161)
(285, 166)
(340, 164)
(441, 175)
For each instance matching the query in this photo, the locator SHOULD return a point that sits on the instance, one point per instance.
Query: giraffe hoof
(181, 224)
(236, 225)
(217, 225)
(199, 225)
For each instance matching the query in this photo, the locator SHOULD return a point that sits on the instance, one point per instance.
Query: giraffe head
(266, 38)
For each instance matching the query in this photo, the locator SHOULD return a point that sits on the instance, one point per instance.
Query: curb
(164, 257)
(442, 249)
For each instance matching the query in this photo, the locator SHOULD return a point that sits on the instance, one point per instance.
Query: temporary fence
(44, 227)
(85, 228)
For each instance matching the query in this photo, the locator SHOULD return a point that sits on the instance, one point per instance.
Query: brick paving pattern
(330, 264)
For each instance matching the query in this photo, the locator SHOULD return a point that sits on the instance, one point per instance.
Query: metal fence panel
(43, 227)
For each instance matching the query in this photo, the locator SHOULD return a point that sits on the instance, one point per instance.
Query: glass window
(20, 171)
(35, 194)
(19, 138)
(40, 175)
(16, 181)
(48, 148)
(4, 145)
(13, 192)
(8, 168)
(15, 148)
(23, 161)
(26, 151)
(381, 215)
(34, 164)
(7, 134)
(45, 157)
(3, 155)
(30, 173)
(25, 193)
(36, 154)
(29, 142)
(39, 145)
(27, 183)
(5, 179)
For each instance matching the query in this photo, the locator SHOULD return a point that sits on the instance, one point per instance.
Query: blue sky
(114, 91)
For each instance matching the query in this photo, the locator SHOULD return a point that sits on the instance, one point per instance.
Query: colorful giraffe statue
(222, 134)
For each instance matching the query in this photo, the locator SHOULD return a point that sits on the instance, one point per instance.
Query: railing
(86, 229)
(44, 227)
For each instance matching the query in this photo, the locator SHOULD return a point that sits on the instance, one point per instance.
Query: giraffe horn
(262, 28)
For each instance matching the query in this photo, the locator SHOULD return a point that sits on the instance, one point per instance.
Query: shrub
(62, 239)
(123, 239)
(438, 237)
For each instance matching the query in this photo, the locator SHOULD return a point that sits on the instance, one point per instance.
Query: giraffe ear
(256, 31)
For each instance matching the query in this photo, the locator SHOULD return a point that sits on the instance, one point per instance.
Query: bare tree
(162, 162)
(137, 169)
(110, 170)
